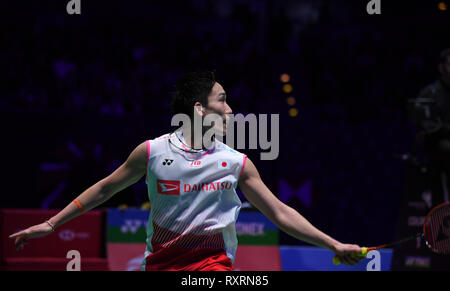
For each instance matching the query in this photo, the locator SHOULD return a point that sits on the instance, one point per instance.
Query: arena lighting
(442, 6)
(290, 100)
(285, 78)
(293, 112)
(287, 88)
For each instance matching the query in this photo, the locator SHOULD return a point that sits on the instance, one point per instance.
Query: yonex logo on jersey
(166, 187)
(167, 162)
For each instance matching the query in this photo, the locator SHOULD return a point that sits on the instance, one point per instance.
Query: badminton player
(191, 188)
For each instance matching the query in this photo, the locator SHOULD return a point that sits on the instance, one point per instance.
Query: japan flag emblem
(223, 164)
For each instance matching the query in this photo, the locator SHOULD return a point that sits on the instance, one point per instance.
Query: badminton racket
(435, 232)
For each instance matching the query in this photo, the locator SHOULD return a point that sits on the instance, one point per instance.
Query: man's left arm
(288, 219)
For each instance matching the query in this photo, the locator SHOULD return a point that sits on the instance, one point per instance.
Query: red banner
(84, 234)
(249, 258)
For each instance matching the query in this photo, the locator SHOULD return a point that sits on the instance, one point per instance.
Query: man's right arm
(133, 169)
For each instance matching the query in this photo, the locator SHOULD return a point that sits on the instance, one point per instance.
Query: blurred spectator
(431, 114)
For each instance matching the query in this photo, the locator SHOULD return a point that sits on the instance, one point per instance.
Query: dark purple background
(79, 92)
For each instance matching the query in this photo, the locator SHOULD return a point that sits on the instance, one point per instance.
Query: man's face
(217, 104)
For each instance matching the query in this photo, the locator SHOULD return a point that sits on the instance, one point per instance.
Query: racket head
(436, 229)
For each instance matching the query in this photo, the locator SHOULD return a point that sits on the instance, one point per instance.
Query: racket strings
(437, 229)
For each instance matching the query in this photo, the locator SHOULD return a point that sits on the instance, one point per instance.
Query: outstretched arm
(289, 220)
(133, 169)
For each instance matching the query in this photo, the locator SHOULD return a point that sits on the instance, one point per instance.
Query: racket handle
(363, 253)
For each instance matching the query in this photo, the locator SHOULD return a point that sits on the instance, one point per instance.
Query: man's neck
(195, 141)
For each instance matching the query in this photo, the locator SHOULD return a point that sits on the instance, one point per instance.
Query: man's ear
(198, 107)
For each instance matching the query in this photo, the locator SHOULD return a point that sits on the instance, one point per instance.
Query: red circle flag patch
(223, 165)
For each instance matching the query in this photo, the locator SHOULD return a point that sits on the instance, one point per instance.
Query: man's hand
(348, 254)
(21, 237)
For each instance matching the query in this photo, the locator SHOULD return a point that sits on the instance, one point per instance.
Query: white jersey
(193, 200)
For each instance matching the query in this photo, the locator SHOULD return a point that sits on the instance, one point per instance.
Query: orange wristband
(79, 205)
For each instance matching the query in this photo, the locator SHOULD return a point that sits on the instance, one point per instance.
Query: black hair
(191, 88)
(443, 56)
